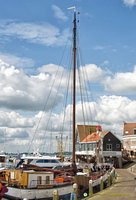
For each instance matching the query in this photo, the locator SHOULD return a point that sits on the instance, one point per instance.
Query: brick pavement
(123, 189)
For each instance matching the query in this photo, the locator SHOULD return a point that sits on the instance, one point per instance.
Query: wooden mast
(74, 89)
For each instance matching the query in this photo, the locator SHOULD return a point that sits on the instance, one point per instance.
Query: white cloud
(122, 83)
(19, 91)
(14, 120)
(29, 93)
(16, 61)
(93, 72)
(109, 111)
(98, 47)
(44, 34)
(51, 69)
(130, 3)
(59, 13)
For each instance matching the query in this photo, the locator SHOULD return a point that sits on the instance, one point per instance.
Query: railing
(34, 183)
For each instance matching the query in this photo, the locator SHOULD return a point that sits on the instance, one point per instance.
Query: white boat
(5, 162)
(44, 161)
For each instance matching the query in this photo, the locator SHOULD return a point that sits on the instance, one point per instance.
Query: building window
(108, 147)
(39, 180)
(126, 132)
(134, 131)
(91, 147)
(117, 146)
(12, 175)
(47, 180)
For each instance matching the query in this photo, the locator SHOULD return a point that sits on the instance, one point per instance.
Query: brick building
(129, 137)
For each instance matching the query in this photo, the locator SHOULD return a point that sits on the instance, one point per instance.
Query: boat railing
(58, 181)
(35, 183)
(104, 176)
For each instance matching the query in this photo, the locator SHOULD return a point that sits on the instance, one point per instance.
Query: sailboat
(33, 182)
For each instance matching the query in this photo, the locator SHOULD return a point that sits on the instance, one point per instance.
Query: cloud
(98, 47)
(121, 83)
(93, 72)
(108, 111)
(44, 33)
(50, 68)
(16, 61)
(15, 120)
(130, 3)
(22, 92)
(59, 13)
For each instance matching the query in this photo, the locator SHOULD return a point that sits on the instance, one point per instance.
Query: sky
(35, 44)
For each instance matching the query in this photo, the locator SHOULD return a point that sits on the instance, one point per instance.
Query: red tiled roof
(94, 137)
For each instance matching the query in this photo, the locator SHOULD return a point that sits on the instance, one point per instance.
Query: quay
(124, 187)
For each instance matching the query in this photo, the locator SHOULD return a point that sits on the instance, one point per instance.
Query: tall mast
(74, 88)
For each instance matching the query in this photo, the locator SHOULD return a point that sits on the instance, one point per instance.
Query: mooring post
(75, 191)
(108, 184)
(55, 195)
(112, 176)
(101, 183)
(90, 188)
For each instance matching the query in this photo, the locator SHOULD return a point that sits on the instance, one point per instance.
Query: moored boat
(38, 183)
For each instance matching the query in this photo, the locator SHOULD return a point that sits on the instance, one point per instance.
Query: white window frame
(108, 147)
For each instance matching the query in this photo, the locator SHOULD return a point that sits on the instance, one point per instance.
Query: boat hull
(19, 193)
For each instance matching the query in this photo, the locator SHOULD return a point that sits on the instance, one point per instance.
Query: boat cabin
(29, 178)
(42, 161)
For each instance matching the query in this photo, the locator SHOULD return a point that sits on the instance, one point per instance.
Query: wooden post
(101, 183)
(75, 191)
(90, 188)
(108, 184)
(111, 178)
(55, 195)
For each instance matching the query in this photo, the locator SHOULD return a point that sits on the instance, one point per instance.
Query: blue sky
(34, 35)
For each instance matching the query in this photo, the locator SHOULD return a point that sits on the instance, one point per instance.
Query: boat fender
(0, 186)
(59, 179)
